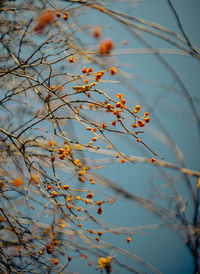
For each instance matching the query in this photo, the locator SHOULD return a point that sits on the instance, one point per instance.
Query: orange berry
(123, 161)
(101, 9)
(89, 70)
(90, 144)
(61, 150)
(2, 219)
(116, 156)
(119, 95)
(116, 112)
(128, 239)
(69, 258)
(88, 128)
(85, 81)
(52, 87)
(100, 233)
(49, 187)
(98, 76)
(94, 139)
(96, 32)
(60, 87)
(118, 104)
(134, 125)
(87, 201)
(69, 207)
(147, 119)
(142, 124)
(65, 187)
(146, 114)
(81, 172)
(81, 179)
(99, 210)
(97, 239)
(84, 70)
(67, 13)
(65, 17)
(69, 199)
(114, 123)
(49, 248)
(123, 102)
(90, 195)
(108, 106)
(105, 47)
(17, 182)
(54, 194)
(108, 147)
(55, 242)
(113, 71)
(61, 156)
(66, 153)
(58, 14)
(95, 129)
(138, 140)
(137, 107)
(153, 159)
(48, 97)
(56, 261)
(77, 162)
(71, 59)
(104, 125)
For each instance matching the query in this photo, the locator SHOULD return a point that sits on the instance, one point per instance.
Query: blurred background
(156, 53)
